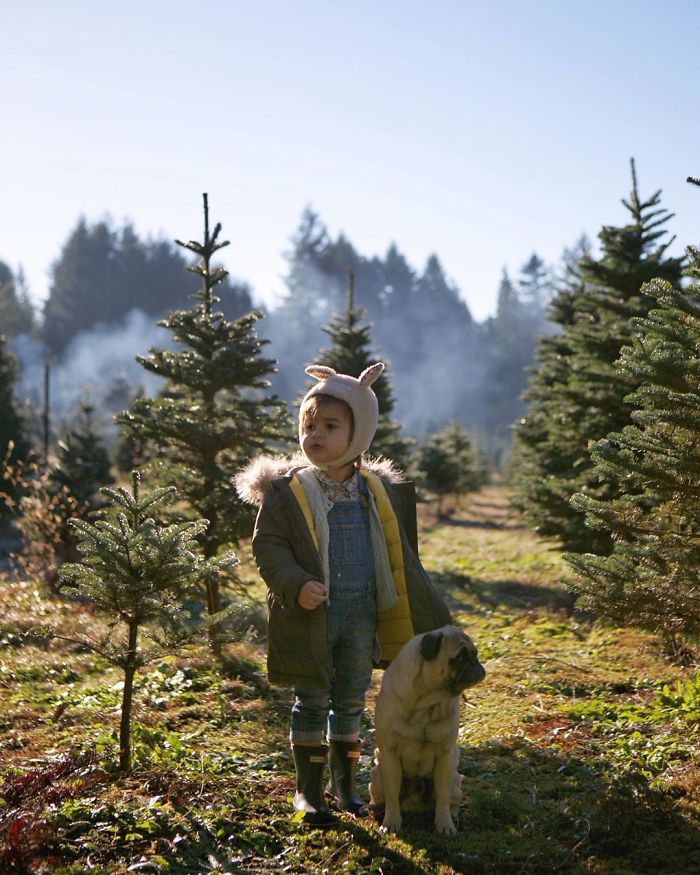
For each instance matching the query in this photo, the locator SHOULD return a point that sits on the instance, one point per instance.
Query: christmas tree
(138, 571)
(577, 395)
(650, 579)
(449, 463)
(82, 462)
(214, 412)
(349, 353)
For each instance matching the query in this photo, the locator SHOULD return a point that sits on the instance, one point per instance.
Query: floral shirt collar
(347, 491)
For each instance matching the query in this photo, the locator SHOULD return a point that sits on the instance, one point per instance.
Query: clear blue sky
(478, 130)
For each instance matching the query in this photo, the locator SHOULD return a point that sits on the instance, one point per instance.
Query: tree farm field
(580, 749)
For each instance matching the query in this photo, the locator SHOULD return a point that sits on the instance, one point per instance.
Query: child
(345, 589)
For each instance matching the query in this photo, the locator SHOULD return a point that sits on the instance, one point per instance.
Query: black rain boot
(344, 757)
(309, 763)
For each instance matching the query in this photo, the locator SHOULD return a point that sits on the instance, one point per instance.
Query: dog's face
(450, 661)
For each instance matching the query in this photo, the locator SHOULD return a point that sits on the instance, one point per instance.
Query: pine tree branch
(84, 643)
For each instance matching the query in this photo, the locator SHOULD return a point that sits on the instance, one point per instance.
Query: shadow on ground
(529, 810)
(512, 595)
(495, 525)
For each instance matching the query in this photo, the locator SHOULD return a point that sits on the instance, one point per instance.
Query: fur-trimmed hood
(254, 481)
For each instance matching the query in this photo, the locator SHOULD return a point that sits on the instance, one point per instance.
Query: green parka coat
(287, 556)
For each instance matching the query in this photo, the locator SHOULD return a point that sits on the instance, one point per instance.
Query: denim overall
(352, 624)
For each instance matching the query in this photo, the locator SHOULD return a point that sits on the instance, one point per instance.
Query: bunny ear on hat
(370, 374)
(320, 372)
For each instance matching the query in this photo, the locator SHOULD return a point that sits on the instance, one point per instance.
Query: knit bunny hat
(359, 397)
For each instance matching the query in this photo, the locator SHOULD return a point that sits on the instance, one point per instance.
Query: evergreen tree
(349, 354)
(437, 310)
(449, 464)
(16, 311)
(312, 286)
(214, 412)
(398, 281)
(162, 287)
(312, 297)
(436, 336)
(508, 350)
(533, 450)
(650, 579)
(535, 288)
(103, 273)
(14, 443)
(131, 451)
(139, 571)
(82, 461)
(84, 287)
(395, 294)
(587, 400)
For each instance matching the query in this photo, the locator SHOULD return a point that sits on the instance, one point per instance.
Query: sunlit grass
(580, 749)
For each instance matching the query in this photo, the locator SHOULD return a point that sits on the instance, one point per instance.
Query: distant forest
(443, 364)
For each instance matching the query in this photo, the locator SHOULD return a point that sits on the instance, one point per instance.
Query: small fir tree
(650, 579)
(138, 571)
(580, 396)
(449, 464)
(214, 412)
(82, 461)
(44, 497)
(349, 354)
(43, 511)
(14, 443)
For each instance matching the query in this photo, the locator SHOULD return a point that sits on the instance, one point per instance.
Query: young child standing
(345, 589)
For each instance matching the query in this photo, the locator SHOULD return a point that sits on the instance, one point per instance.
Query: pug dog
(416, 727)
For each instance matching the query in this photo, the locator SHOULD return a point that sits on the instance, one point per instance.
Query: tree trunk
(127, 697)
(213, 607)
(210, 543)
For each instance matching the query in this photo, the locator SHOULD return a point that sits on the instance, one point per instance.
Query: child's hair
(320, 400)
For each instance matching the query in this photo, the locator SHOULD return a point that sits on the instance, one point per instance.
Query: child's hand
(312, 593)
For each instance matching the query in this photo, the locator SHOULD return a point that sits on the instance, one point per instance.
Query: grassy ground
(580, 750)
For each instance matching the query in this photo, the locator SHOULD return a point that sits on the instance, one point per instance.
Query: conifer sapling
(138, 571)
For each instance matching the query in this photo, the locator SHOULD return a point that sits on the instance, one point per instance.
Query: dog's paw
(392, 822)
(445, 826)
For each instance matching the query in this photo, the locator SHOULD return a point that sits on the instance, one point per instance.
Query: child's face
(327, 433)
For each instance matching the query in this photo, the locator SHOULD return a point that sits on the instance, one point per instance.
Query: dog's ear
(430, 645)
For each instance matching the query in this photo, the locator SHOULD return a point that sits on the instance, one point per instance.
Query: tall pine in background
(16, 311)
(349, 353)
(536, 448)
(14, 443)
(215, 411)
(535, 287)
(103, 273)
(650, 579)
(508, 344)
(586, 401)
